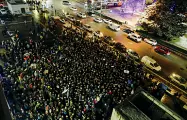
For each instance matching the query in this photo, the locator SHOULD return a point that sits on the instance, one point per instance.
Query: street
(170, 64)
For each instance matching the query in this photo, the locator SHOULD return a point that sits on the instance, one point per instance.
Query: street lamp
(101, 9)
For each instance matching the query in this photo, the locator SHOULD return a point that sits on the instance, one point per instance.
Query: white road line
(15, 23)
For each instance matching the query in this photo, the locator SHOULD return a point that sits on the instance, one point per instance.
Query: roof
(143, 106)
(153, 108)
(16, 2)
(130, 112)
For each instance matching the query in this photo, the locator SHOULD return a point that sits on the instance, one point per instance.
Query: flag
(65, 91)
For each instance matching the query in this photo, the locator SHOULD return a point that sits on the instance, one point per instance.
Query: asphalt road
(170, 64)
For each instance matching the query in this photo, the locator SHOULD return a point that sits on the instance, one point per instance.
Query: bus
(107, 3)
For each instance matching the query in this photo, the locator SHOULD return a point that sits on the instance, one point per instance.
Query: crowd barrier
(175, 49)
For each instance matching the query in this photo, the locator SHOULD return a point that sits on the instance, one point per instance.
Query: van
(114, 27)
(65, 2)
(151, 63)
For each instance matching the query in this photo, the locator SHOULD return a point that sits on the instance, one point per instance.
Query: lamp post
(101, 9)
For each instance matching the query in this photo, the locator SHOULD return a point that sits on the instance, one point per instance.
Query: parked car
(150, 41)
(86, 5)
(10, 33)
(151, 63)
(66, 2)
(73, 8)
(135, 37)
(128, 31)
(91, 13)
(162, 50)
(107, 21)
(3, 11)
(71, 18)
(62, 21)
(98, 34)
(114, 26)
(182, 82)
(81, 15)
(133, 54)
(87, 27)
(98, 20)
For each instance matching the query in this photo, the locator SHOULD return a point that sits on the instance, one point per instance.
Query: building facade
(18, 7)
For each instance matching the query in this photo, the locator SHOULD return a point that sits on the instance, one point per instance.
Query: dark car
(162, 50)
(71, 18)
(91, 13)
(128, 31)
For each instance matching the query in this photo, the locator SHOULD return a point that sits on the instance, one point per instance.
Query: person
(67, 78)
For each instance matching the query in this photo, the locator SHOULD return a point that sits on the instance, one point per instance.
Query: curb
(173, 48)
(175, 51)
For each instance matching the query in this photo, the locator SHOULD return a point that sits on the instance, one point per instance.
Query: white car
(3, 11)
(81, 15)
(73, 8)
(150, 41)
(66, 2)
(86, 5)
(98, 34)
(88, 28)
(135, 37)
(91, 13)
(10, 33)
(151, 63)
(107, 21)
(99, 20)
(71, 18)
(178, 80)
(133, 54)
(114, 27)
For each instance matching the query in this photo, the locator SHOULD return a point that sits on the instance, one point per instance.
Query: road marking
(15, 23)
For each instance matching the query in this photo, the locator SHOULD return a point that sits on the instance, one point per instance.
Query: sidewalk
(117, 15)
(180, 42)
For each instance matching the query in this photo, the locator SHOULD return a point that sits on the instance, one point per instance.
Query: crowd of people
(67, 79)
